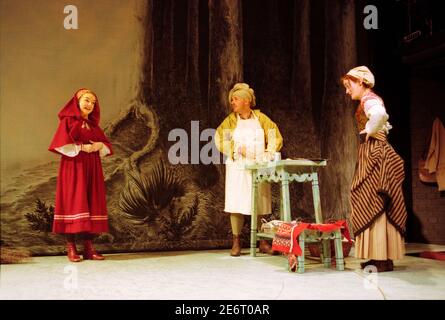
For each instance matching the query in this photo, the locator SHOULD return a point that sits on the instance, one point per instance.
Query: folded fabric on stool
(286, 238)
(270, 226)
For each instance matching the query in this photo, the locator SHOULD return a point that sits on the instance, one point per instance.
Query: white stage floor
(214, 275)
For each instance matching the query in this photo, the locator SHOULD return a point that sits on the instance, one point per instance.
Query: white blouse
(72, 150)
(377, 117)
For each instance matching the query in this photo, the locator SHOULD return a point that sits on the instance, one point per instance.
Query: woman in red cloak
(80, 196)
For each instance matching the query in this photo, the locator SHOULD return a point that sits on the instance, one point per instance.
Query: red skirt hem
(78, 227)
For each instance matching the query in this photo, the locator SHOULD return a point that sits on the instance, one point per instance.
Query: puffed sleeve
(223, 139)
(69, 150)
(105, 151)
(377, 116)
(274, 139)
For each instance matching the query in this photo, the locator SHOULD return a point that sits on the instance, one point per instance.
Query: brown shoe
(389, 265)
(363, 265)
(236, 246)
(383, 266)
(266, 248)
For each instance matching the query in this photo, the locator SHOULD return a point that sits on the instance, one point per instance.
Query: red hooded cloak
(80, 194)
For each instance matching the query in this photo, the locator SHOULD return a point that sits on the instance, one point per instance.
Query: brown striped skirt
(377, 186)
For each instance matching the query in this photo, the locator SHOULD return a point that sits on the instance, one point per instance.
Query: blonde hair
(82, 92)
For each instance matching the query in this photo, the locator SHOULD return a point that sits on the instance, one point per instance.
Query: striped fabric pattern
(377, 186)
(79, 216)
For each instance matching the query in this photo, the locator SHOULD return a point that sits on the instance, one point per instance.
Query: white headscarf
(364, 74)
(243, 90)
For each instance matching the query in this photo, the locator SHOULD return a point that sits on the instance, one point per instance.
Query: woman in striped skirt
(378, 208)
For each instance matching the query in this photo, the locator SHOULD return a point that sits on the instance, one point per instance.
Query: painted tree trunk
(339, 137)
(146, 85)
(301, 96)
(225, 55)
(192, 62)
(135, 131)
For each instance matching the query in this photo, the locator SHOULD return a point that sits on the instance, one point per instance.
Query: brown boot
(265, 247)
(72, 254)
(236, 246)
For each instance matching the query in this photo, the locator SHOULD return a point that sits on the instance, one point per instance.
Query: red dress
(80, 194)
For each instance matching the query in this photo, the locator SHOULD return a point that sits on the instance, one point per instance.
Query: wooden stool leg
(301, 258)
(327, 253)
(340, 263)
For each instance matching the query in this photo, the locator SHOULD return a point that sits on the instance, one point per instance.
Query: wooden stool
(324, 239)
(292, 238)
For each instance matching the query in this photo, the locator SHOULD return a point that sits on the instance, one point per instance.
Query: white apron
(238, 197)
